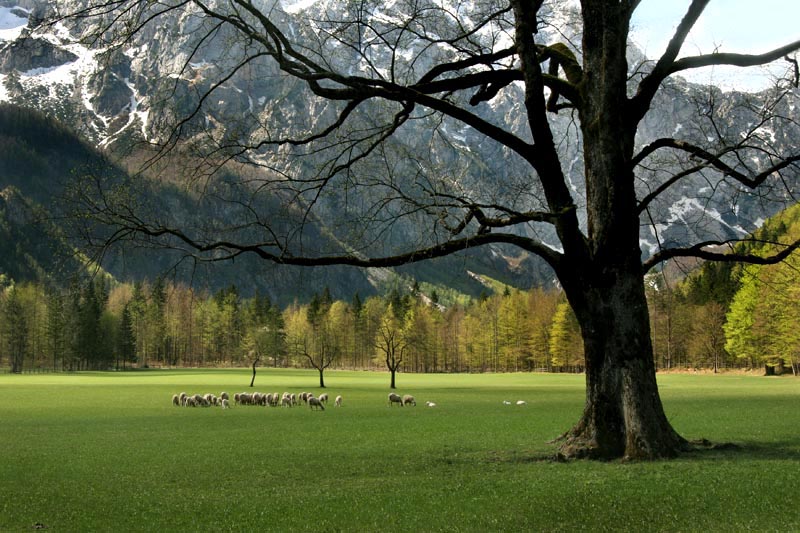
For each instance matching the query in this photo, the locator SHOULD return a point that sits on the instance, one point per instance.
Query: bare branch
(736, 60)
(649, 85)
(702, 251)
(709, 161)
(272, 251)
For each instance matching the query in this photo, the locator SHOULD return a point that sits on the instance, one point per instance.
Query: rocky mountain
(39, 160)
(115, 98)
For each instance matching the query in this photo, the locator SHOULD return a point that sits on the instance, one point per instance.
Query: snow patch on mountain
(12, 21)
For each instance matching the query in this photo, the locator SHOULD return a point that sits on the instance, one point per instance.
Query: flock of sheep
(254, 398)
(283, 400)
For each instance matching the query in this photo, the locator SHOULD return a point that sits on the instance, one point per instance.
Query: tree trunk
(623, 416)
(253, 379)
(321, 379)
(602, 274)
(392, 385)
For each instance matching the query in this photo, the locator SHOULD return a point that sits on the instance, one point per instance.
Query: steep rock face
(33, 54)
(141, 92)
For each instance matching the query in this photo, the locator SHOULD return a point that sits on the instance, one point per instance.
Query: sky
(742, 26)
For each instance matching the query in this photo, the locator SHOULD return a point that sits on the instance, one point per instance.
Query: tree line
(722, 317)
(99, 326)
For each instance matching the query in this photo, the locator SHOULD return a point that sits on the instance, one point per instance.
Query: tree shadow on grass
(702, 450)
(758, 450)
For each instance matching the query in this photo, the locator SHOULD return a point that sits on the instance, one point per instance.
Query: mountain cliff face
(115, 97)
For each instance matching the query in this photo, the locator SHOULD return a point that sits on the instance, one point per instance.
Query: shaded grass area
(108, 452)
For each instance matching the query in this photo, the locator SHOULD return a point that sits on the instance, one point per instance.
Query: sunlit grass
(108, 452)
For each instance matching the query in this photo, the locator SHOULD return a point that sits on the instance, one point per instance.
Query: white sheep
(225, 403)
(182, 398)
(176, 400)
(224, 395)
(286, 401)
(338, 401)
(395, 398)
(409, 400)
(522, 402)
(430, 404)
(506, 402)
(323, 397)
(315, 402)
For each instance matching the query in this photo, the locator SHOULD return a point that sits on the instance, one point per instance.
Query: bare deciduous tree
(427, 61)
(390, 341)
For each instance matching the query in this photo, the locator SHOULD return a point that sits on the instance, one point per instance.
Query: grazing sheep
(408, 399)
(430, 404)
(304, 397)
(315, 402)
(506, 402)
(338, 401)
(190, 401)
(182, 398)
(323, 397)
(225, 404)
(237, 398)
(256, 398)
(176, 400)
(395, 398)
(294, 399)
(286, 401)
(522, 402)
(224, 395)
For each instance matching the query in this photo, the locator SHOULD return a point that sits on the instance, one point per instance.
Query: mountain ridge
(118, 97)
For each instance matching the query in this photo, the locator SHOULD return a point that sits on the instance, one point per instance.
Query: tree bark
(392, 385)
(321, 378)
(623, 415)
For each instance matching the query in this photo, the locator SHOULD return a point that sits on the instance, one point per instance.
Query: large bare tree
(444, 63)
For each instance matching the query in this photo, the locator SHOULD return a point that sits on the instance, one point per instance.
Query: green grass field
(108, 452)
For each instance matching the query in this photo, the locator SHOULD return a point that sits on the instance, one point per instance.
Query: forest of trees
(723, 316)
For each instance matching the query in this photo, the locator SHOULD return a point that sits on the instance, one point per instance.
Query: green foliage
(715, 282)
(566, 344)
(108, 452)
(741, 339)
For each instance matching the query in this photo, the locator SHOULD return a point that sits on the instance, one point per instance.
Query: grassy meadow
(109, 452)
